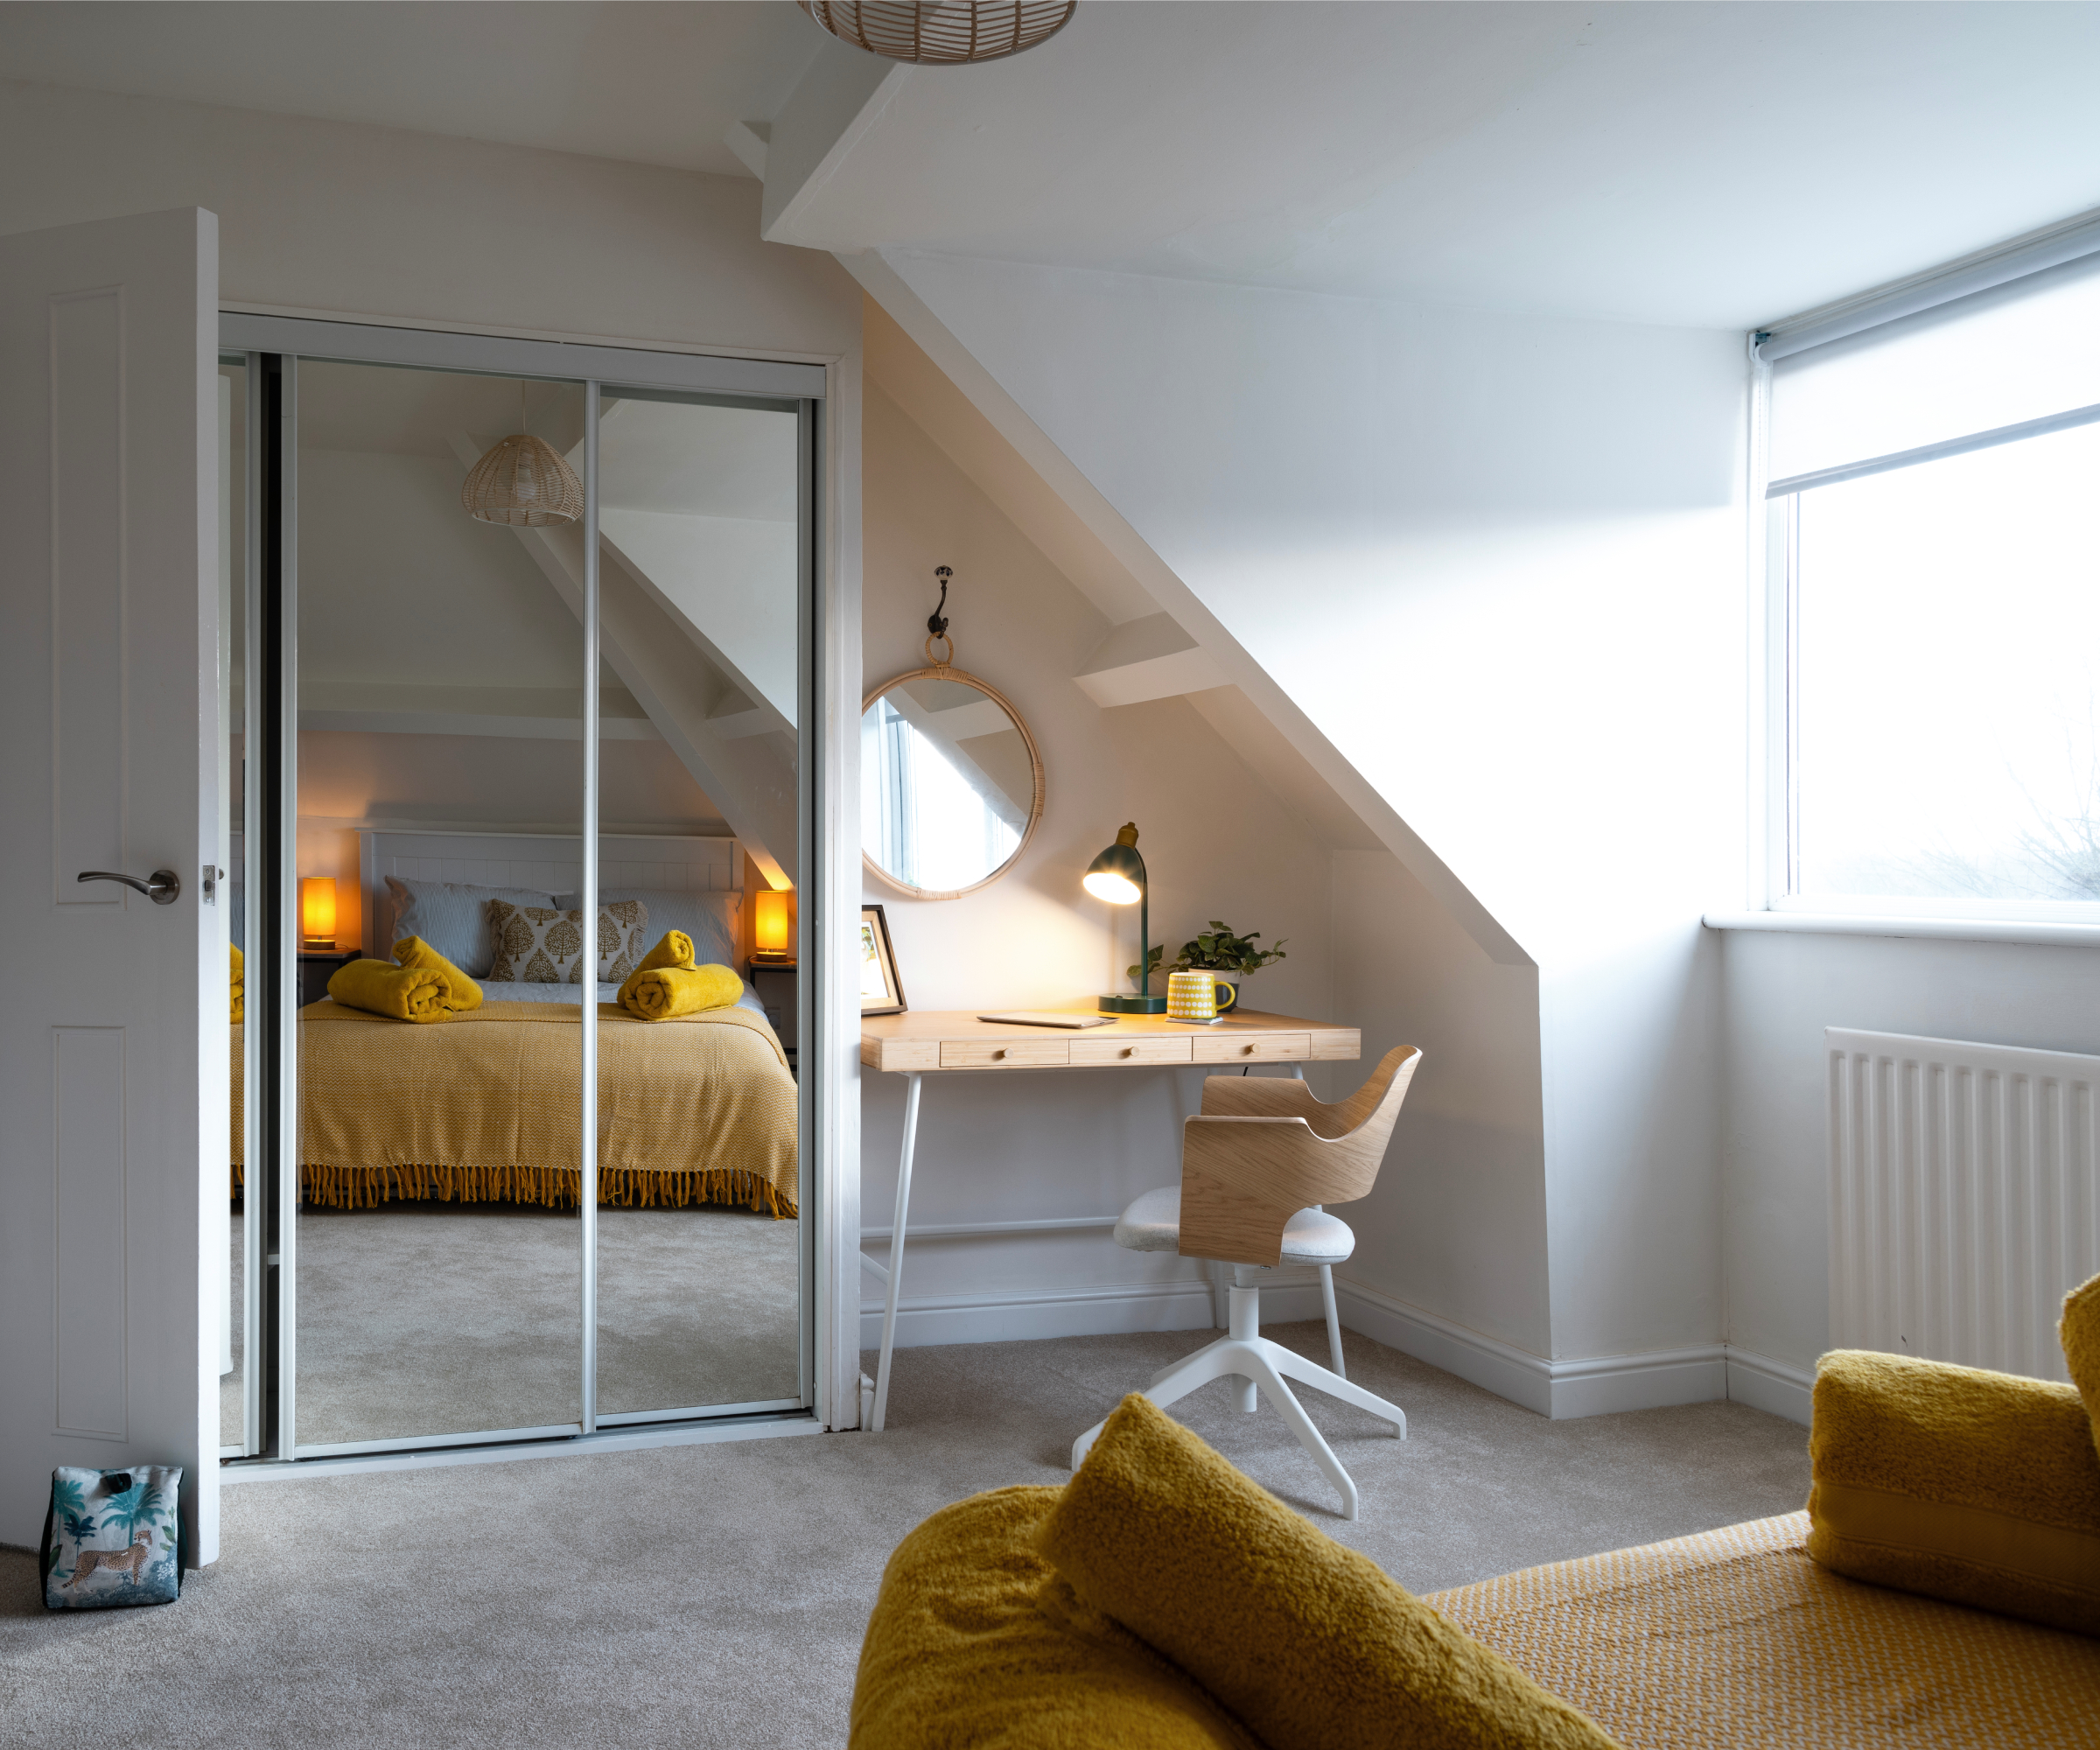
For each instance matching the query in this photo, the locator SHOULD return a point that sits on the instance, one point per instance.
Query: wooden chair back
(1261, 1150)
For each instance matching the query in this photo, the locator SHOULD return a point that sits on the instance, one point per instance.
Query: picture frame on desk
(881, 990)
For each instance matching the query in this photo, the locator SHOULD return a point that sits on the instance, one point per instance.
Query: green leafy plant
(1219, 949)
(1152, 964)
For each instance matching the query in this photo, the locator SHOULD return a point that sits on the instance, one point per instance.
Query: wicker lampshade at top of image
(523, 481)
(934, 34)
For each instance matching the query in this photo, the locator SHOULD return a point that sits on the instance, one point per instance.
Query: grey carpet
(419, 1320)
(715, 1595)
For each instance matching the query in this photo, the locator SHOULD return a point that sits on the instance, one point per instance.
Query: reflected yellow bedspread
(699, 1109)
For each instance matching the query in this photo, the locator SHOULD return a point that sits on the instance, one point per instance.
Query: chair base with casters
(1152, 1223)
(1258, 1165)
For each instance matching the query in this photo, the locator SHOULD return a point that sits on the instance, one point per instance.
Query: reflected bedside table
(317, 969)
(773, 980)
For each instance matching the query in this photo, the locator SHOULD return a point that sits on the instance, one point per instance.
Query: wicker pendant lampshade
(523, 481)
(941, 32)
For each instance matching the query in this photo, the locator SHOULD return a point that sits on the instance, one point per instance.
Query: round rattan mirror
(951, 785)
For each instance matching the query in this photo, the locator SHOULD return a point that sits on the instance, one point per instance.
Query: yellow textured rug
(1736, 1638)
(701, 1108)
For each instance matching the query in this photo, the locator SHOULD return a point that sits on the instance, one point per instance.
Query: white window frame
(1772, 572)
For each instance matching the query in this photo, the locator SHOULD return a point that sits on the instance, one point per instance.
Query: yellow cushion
(1308, 1643)
(1977, 1487)
(974, 1641)
(2081, 1333)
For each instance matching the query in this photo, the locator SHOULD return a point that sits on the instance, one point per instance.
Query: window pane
(1948, 630)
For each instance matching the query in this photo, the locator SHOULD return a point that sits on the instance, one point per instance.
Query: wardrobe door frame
(828, 647)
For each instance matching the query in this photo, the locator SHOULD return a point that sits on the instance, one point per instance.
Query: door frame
(828, 750)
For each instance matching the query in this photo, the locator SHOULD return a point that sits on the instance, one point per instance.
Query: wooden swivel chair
(1256, 1165)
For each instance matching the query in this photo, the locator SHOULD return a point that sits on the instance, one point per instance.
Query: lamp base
(1132, 1005)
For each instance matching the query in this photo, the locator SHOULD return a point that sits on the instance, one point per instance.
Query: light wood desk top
(957, 1039)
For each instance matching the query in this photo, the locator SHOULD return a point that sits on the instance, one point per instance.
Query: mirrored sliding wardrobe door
(700, 1245)
(440, 771)
(239, 1422)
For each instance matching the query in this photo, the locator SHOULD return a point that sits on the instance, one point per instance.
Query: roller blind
(2026, 351)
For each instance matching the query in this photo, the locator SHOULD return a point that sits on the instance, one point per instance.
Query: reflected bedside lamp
(1117, 875)
(317, 915)
(769, 926)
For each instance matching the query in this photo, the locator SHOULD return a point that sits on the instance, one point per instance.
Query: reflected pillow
(541, 945)
(709, 918)
(452, 916)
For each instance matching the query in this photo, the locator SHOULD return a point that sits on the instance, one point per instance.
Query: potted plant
(1231, 956)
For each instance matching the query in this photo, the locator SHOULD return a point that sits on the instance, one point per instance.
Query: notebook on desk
(1048, 1018)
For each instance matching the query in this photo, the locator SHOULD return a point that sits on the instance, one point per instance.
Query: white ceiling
(1709, 165)
(1697, 165)
(653, 83)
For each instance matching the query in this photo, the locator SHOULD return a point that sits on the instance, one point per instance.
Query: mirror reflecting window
(951, 784)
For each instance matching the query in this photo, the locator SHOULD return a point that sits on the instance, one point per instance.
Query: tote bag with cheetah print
(111, 1538)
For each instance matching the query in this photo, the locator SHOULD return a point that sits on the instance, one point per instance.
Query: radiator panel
(1963, 1202)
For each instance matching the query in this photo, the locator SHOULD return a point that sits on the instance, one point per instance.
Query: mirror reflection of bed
(439, 1257)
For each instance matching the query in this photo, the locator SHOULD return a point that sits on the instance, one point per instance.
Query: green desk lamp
(1117, 875)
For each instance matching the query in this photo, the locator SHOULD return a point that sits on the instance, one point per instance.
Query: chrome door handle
(163, 887)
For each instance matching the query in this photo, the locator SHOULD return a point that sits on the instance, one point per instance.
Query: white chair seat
(1153, 1224)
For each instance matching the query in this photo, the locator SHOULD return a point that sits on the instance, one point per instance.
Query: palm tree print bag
(111, 1538)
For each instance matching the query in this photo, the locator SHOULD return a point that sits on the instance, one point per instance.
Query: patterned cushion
(539, 945)
(452, 916)
(709, 918)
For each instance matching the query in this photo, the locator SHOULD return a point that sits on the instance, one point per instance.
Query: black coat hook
(936, 622)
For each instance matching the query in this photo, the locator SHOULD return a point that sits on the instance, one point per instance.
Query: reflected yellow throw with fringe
(701, 1110)
(240, 974)
(1959, 1483)
(2081, 1333)
(461, 992)
(398, 992)
(1310, 1645)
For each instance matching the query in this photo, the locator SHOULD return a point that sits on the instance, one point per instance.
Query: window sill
(1944, 929)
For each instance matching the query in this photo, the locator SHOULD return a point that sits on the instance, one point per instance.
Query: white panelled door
(113, 1028)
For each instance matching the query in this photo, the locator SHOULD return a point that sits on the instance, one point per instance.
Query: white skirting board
(1593, 1386)
(1597, 1385)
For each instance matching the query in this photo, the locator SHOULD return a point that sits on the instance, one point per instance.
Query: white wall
(1781, 991)
(1498, 561)
(1217, 844)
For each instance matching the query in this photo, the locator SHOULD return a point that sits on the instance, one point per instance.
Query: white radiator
(1964, 1197)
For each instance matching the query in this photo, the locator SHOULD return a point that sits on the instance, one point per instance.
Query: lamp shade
(316, 912)
(523, 481)
(1117, 875)
(769, 922)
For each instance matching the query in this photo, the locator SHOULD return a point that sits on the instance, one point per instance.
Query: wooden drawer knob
(1128, 1051)
(1246, 1051)
(999, 1053)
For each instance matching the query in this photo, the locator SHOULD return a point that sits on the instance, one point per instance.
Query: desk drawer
(1019, 1054)
(1125, 1050)
(1260, 1049)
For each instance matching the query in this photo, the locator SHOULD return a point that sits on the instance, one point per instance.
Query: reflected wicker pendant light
(523, 481)
(941, 32)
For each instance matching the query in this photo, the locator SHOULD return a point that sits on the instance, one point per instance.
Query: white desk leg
(904, 1203)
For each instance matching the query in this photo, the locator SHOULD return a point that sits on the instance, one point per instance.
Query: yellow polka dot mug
(1198, 995)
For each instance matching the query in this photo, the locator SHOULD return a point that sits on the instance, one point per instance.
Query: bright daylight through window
(1934, 487)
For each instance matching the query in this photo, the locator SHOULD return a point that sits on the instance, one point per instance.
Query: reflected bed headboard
(550, 861)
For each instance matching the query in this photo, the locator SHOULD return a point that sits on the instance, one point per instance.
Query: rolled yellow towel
(404, 993)
(416, 954)
(239, 970)
(676, 950)
(2081, 1333)
(663, 993)
(1981, 1487)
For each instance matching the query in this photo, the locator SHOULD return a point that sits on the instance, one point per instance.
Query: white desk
(956, 1042)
